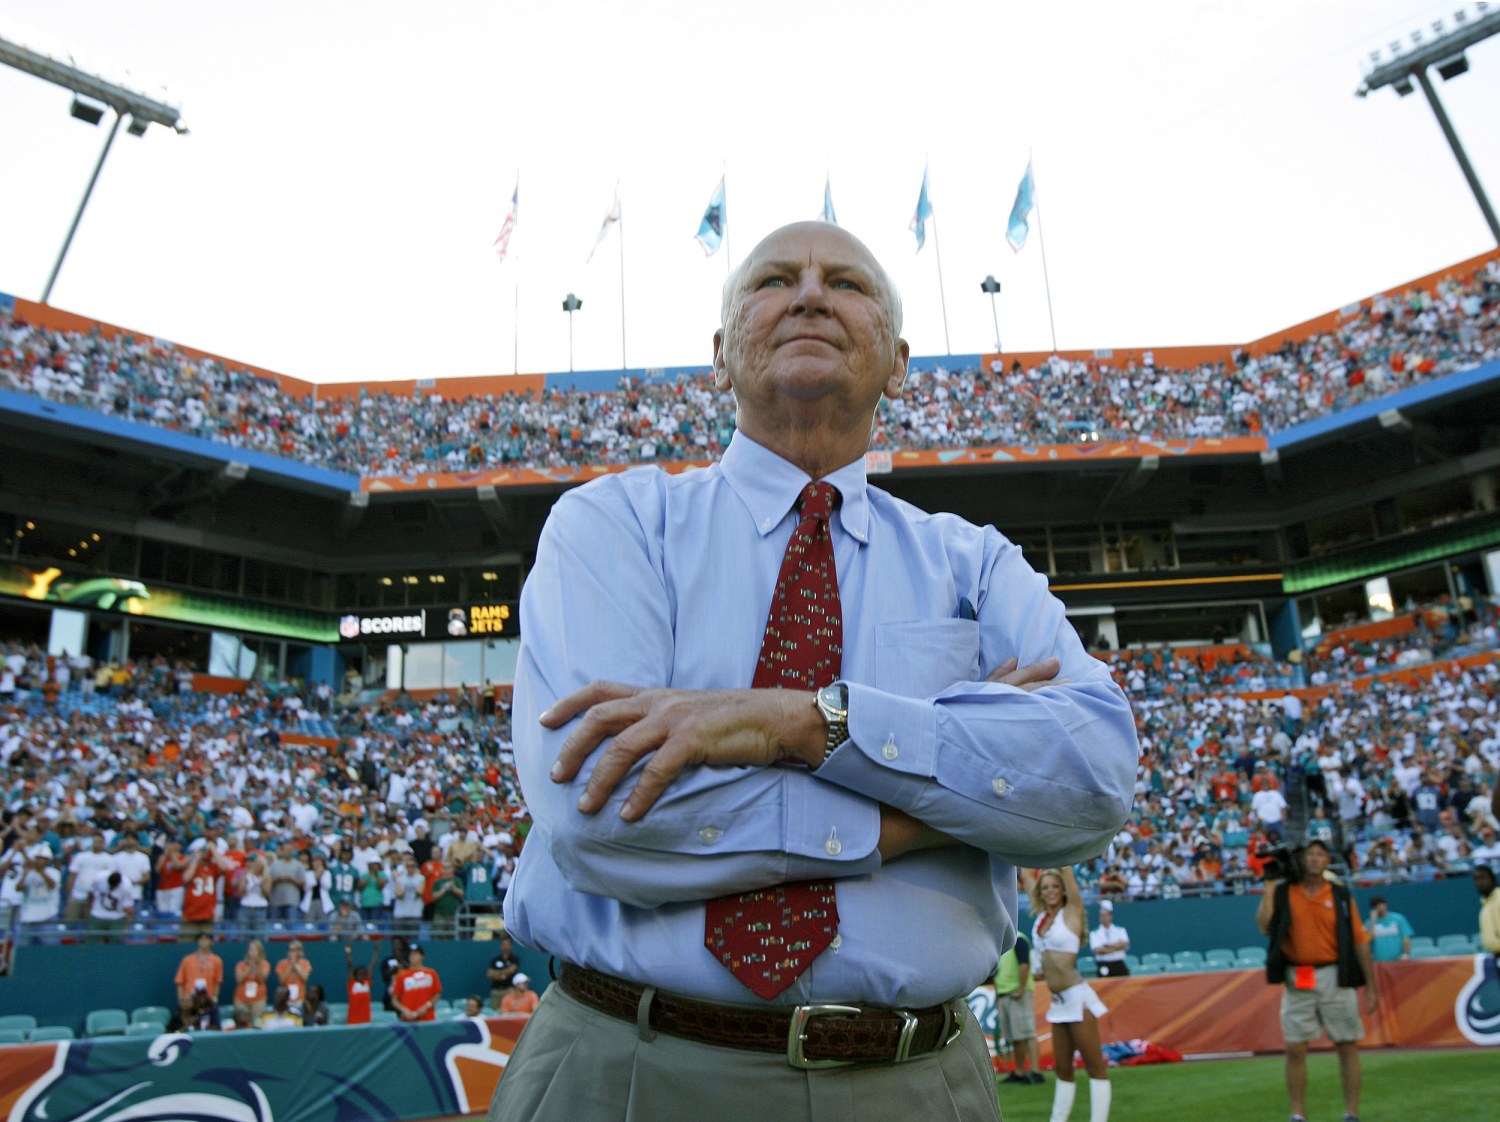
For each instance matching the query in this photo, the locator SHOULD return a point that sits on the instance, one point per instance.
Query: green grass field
(1398, 1087)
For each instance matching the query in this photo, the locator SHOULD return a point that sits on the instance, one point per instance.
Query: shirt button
(890, 751)
(1000, 786)
(836, 942)
(709, 835)
(833, 847)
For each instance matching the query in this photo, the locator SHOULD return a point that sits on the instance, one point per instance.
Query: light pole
(571, 304)
(142, 111)
(1445, 54)
(992, 286)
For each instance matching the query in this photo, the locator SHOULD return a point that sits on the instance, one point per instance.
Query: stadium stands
(1386, 344)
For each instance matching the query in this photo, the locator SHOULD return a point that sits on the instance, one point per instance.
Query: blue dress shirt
(665, 580)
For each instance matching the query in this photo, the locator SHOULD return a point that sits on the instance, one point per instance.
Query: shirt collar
(769, 486)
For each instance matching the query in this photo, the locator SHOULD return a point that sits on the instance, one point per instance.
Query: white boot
(1062, 1100)
(1100, 1093)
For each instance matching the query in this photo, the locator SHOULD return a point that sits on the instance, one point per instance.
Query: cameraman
(1320, 951)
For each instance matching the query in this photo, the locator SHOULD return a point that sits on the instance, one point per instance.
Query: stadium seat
(384, 1017)
(1186, 961)
(12, 1036)
(1087, 966)
(144, 1028)
(105, 1022)
(338, 1012)
(155, 1014)
(1250, 956)
(1220, 958)
(1148, 968)
(1455, 944)
(1429, 951)
(25, 1022)
(1162, 960)
(49, 1032)
(1422, 942)
(1133, 963)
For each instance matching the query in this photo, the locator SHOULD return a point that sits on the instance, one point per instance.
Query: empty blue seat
(105, 1022)
(49, 1032)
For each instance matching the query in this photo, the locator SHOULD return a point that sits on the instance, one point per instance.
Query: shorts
(1328, 1007)
(1068, 1006)
(1015, 1020)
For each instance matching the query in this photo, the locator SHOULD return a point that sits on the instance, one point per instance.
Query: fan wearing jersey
(417, 988)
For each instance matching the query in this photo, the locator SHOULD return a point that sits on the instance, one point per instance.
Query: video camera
(1283, 861)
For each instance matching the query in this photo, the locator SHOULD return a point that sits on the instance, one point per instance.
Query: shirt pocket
(921, 658)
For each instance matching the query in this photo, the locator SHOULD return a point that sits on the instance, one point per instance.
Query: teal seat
(1220, 958)
(1250, 956)
(1149, 968)
(156, 1014)
(1133, 963)
(1184, 961)
(143, 1028)
(1429, 951)
(105, 1022)
(49, 1032)
(1455, 944)
(1162, 960)
(1421, 942)
(384, 1017)
(12, 1036)
(23, 1021)
(1087, 966)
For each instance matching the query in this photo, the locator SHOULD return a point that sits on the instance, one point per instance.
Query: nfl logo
(349, 627)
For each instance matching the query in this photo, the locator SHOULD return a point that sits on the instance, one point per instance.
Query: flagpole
(624, 365)
(1041, 240)
(942, 298)
(515, 337)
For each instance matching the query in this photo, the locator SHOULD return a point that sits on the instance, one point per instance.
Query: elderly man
(770, 901)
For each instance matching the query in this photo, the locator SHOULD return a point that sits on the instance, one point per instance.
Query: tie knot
(817, 501)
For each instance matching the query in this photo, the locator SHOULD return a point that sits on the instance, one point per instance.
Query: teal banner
(376, 1072)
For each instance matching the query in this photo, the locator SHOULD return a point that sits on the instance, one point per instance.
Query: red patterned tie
(767, 939)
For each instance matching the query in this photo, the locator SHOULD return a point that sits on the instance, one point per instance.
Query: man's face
(1315, 861)
(1484, 881)
(809, 318)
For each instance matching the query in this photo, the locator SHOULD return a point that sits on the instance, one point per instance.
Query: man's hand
(677, 729)
(695, 728)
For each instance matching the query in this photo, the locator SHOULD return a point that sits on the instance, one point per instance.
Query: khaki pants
(573, 1062)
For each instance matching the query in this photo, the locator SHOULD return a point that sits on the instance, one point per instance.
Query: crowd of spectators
(1386, 344)
(149, 801)
(1438, 631)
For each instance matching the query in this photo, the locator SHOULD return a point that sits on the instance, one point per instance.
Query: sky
(1204, 172)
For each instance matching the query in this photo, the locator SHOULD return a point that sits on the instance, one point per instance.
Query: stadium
(241, 611)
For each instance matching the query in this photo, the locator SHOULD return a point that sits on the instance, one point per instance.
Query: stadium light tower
(992, 286)
(571, 304)
(1445, 53)
(142, 111)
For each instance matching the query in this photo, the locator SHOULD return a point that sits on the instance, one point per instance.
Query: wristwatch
(833, 703)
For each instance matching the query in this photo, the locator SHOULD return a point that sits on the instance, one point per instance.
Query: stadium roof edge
(117, 431)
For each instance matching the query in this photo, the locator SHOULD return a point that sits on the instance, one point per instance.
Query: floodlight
(87, 111)
(137, 127)
(1452, 66)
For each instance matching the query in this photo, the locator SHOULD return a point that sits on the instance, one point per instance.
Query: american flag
(502, 242)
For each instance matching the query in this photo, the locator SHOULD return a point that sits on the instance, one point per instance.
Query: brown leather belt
(811, 1036)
